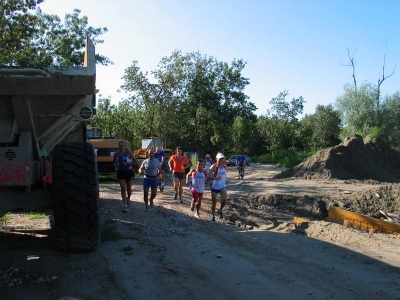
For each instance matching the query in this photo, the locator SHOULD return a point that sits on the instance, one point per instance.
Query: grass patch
(5, 218)
(108, 185)
(33, 215)
(109, 232)
(263, 159)
(289, 158)
(128, 250)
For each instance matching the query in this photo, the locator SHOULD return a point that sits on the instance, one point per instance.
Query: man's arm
(188, 175)
(142, 167)
(163, 156)
(211, 172)
(132, 156)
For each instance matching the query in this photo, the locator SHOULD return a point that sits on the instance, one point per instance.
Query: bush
(263, 159)
(289, 158)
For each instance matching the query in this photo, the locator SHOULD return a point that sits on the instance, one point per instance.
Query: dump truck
(43, 117)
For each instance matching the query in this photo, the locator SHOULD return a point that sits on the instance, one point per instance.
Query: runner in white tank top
(218, 186)
(197, 186)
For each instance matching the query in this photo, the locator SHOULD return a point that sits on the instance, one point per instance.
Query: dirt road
(253, 253)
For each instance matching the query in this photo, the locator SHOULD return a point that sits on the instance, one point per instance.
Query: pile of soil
(354, 159)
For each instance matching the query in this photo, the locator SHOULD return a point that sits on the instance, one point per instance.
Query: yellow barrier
(361, 222)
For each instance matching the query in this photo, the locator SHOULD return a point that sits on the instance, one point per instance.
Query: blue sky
(299, 46)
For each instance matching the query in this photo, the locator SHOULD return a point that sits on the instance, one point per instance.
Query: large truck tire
(76, 197)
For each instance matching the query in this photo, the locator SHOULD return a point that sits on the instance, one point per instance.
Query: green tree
(357, 109)
(32, 38)
(361, 108)
(104, 117)
(18, 28)
(287, 111)
(192, 102)
(321, 129)
(245, 136)
(390, 130)
(278, 126)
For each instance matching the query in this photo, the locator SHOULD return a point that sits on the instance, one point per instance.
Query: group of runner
(205, 172)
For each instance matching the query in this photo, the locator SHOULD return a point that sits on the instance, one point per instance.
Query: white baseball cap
(220, 155)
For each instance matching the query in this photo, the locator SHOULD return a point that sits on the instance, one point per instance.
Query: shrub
(289, 158)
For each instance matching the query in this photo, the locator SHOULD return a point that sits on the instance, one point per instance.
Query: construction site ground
(255, 252)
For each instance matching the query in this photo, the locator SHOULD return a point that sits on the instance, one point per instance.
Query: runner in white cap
(218, 178)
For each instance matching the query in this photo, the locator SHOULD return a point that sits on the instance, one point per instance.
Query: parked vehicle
(43, 117)
(232, 160)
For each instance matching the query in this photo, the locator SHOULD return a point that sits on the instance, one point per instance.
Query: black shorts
(126, 175)
(180, 175)
(165, 168)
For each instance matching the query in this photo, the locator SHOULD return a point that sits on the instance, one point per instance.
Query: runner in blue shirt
(161, 156)
(240, 162)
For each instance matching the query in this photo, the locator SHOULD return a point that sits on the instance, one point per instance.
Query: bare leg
(176, 184)
(129, 189)
(213, 203)
(181, 187)
(198, 204)
(146, 196)
(163, 176)
(122, 183)
(192, 203)
(153, 195)
(224, 196)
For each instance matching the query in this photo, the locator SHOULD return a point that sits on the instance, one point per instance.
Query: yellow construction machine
(150, 143)
(104, 147)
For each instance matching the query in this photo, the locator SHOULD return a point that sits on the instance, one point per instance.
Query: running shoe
(220, 214)
(212, 219)
(180, 200)
(196, 215)
(147, 209)
(176, 196)
(192, 208)
(126, 209)
(151, 203)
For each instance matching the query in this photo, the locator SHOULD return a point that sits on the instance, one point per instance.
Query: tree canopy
(30, 37)
(193, 101)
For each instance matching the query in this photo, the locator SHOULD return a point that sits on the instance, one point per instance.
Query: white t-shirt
(151, 167)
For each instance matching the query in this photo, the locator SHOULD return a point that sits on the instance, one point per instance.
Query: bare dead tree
(378, 91)
(381, 80)
(352, 64)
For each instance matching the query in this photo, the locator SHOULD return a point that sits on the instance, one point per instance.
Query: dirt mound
(353, 159)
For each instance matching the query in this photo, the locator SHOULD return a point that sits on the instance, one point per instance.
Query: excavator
(104, 147)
